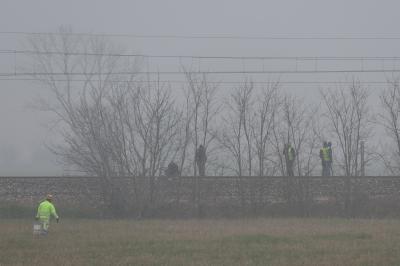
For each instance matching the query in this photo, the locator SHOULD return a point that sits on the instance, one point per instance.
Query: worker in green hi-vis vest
(45, 211)
(290, 154)
(325, 155)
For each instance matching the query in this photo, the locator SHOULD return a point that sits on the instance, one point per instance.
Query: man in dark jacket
(172, 170)
(201, 160)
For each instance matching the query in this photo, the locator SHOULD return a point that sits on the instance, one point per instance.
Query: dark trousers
(326, 168)
(329, 168)
(289, 168)
(202, 168)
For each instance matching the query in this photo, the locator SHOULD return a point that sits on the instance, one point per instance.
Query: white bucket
(37, 228)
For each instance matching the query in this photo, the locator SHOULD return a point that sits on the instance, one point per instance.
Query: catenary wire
(210, 82)
(10, 74)
(300, 58)
(222, 36)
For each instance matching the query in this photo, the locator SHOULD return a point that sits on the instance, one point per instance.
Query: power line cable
(210, 82)
(9, 74)
(221, 36)
(299, 58)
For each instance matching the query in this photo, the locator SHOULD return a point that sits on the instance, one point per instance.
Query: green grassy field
(203, 242)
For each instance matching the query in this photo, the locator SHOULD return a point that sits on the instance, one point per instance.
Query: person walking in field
(201, 159)
(45, 211)
(289, 153)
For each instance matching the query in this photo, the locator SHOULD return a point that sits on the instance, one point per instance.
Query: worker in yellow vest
(290, 154)
(45, 211)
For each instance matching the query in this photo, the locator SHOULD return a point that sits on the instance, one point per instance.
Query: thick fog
(25, 131)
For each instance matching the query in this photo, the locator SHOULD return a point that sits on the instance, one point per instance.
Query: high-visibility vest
(325, 154)
(290, 154)
(46, 210)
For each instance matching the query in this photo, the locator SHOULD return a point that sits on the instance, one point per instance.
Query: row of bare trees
(114, 124)
(257, 125)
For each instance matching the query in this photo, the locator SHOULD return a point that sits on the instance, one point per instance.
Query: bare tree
(349, 121)
(80, 106)
(299, 119)
(111, 124)
(267, 106)
(389, 118)
(146, 130)
(236, 138)
(200, 113)
(201, 109)
(156, 122)
(295, 124)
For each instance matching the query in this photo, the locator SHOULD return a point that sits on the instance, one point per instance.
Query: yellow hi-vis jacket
(45, 210)
(325, 154)
(290, 153)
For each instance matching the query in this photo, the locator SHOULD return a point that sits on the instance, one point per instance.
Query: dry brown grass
(203, 242)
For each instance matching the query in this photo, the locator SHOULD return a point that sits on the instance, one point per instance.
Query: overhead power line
(299, 58)
(210, 82)
(4, 74)
(223, 36)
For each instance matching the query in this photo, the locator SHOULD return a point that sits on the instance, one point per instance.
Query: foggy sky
(23, 132)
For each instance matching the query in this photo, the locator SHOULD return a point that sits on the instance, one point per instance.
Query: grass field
(203, 242)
